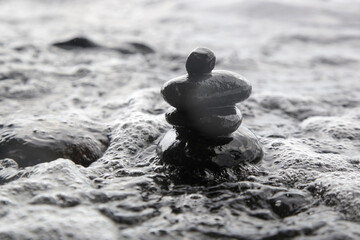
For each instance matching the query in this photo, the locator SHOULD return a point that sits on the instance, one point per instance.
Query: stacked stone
(204, 114)
(204, 100)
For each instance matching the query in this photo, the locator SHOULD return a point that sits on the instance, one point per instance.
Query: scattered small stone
(76, 43)
(134, 47)
(85, 43)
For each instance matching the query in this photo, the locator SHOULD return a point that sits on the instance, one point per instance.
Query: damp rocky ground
(81, 114)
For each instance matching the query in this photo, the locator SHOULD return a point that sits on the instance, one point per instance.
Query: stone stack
(205, 118)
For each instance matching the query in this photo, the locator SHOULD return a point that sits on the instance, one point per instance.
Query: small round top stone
(200, 61)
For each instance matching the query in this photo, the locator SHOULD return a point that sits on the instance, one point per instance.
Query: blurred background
(261, 37)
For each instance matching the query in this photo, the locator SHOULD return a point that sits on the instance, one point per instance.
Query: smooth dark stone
(209, 121)
(219, 88)
(85, 43)
(76, 43)
(185, 148)
(36, 140)
(134, 47)
(200, 60)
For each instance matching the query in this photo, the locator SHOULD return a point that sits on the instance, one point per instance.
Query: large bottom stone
(184, 148)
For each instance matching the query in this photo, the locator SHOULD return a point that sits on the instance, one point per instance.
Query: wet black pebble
(200, 60)
(134, 47)
(208, 121)
(185, 148)
(33, 141)
(79, 43)
(76, 43)
(219, 88)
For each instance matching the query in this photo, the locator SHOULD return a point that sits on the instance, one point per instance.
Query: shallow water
(104, 103)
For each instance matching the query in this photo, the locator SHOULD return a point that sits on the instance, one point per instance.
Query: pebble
(219, 88)
(76, 43)
(32, 140)
(83, 43)
(209, 121)
(200, 61)
(183, 148)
